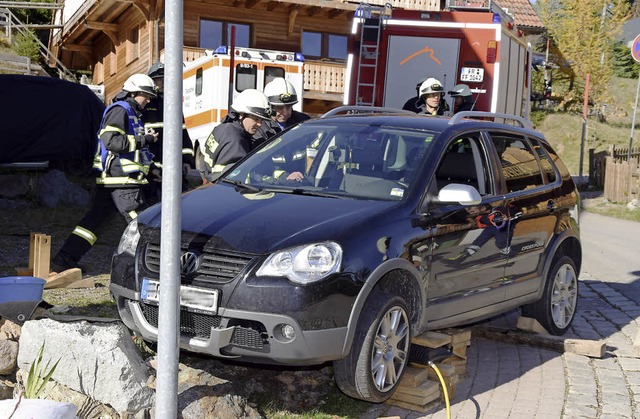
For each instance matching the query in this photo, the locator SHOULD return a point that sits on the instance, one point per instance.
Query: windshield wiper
(241, 185)
(300, 191)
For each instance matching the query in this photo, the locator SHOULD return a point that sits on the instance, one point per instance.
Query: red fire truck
(390, 51)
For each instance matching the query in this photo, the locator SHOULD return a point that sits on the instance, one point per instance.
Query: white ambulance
(211, 82)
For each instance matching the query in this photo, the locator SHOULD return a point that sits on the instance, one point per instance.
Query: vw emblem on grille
(189, 263)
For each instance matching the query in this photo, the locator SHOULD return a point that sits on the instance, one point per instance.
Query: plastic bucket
(21, 288)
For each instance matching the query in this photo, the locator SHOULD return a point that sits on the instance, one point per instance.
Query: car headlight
(129, 239)
(304, 264)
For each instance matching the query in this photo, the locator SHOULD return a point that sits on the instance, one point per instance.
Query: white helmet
(140, 83)
(280, 92)
(431, 85)
(460, 90)
(252, 102)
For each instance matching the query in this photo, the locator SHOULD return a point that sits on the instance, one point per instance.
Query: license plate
(472, 74)
(197, 298)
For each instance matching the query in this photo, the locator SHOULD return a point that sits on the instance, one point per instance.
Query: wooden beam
(312, 11)
(272, 5)
(85, 49)
(249, 4)
(142, 6)
(101, 26)
(292, 18)
(334, 13)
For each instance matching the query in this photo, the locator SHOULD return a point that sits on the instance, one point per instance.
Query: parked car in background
(345, 236)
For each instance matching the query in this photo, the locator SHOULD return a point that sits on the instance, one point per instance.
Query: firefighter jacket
(123, 156)
(227, 143)
(153, 116)
(270, 128)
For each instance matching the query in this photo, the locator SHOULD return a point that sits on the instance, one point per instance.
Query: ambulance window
(271, 73)
(199, 81)
(246, 76)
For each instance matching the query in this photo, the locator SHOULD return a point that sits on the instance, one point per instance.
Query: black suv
(347, 235)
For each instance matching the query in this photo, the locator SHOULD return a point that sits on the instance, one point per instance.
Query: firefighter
(432, 92)
(416, 103)
(153, 115)
(123, 159)
(232, 139)
(282, 96)
(463, 101)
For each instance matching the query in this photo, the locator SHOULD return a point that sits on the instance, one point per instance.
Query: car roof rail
(353, 109)
(524, 122)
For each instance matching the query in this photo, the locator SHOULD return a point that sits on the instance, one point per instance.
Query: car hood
(261, 223)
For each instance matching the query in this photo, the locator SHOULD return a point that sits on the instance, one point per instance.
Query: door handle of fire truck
(551, 206)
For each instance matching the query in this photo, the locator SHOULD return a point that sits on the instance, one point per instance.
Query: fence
(622, 179)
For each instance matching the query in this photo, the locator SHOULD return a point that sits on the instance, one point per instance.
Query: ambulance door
(411, 59)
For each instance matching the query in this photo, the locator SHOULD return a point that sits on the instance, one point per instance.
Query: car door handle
(551, 206)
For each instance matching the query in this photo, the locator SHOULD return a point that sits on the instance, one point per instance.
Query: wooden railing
(324, 80)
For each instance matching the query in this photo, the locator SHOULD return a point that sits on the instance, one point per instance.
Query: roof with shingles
(522, 12)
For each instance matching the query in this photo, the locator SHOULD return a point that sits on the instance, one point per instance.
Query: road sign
(635, 49)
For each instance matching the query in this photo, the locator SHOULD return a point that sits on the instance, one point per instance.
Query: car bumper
(232, 333)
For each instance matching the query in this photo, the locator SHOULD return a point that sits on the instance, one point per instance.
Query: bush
(26, 44)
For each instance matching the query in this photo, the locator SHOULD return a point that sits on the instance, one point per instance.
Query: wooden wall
(269, 28)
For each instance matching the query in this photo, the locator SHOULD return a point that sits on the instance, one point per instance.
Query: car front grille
(216, 266)
(199, 325)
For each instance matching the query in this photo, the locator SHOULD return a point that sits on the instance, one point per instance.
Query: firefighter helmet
(140, 83)
(431, 85)
(156, 70)
(460, 90)
(280, 92)
(252, 102)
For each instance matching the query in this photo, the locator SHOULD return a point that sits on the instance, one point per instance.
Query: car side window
(464, 161)
(518, 162)
(547, 167)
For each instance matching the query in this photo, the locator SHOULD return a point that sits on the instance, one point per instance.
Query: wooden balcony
(323, 80)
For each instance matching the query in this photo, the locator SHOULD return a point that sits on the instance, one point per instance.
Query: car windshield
(337, 160)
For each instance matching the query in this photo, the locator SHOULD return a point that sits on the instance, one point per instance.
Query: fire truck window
(246, 76)
(199, 81)
(271, 73)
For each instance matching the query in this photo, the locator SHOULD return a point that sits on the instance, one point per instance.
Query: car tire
(557, 307)
(380, 350)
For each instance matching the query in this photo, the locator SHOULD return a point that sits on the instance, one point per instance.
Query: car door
(529, 211)
(466, 263)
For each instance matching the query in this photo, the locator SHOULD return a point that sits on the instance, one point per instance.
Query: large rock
(8, 356)
(99, 360)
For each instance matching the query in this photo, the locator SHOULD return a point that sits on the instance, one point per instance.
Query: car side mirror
(460, 193)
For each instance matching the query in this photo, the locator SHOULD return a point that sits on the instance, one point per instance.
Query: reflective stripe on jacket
(130, 165)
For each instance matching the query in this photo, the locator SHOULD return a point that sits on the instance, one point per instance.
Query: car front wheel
(380, 350)
(557, 307)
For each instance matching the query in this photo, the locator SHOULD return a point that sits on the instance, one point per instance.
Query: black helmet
(156, 70)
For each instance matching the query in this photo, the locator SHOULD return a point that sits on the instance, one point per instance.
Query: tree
(585, 31)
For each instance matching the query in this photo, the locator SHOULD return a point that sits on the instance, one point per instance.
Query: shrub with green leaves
(26, 44)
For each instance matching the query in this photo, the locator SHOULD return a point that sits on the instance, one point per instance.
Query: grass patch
(336, 405)
(611, 209)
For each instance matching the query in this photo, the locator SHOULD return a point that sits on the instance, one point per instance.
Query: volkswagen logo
(189, 263)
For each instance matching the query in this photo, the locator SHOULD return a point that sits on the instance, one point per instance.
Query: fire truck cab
(211, 82)
(390, 51)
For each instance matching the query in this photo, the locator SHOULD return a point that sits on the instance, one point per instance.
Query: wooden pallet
(420, 388)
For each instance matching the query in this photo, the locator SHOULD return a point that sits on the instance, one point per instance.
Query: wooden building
(113, 39)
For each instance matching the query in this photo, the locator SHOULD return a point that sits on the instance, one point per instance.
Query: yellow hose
(444, 388)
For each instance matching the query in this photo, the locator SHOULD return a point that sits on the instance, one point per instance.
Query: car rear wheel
(557, 307)
(380, 350)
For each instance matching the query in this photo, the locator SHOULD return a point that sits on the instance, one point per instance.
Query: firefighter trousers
(106, 203)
